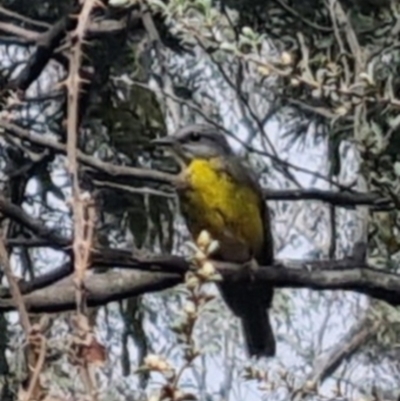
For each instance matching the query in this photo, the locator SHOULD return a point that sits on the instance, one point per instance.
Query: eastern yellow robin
(221, 195)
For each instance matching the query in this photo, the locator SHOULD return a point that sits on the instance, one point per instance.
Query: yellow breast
(229, 210)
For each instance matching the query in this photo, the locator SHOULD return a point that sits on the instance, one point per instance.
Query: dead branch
(83, 339)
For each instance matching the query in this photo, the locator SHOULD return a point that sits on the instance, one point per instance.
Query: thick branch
(343, 274)
(101, 288)
(159, 273)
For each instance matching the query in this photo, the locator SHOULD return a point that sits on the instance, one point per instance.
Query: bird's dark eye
(195, 136)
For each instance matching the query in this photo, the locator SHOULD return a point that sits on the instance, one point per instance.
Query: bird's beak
(165, 141)
(171, 145)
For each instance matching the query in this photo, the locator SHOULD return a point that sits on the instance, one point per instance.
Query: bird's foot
(252, 267)
(142, 254)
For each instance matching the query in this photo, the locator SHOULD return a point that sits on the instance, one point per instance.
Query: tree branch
(46, 45)
(162, 272)
(358, 335)
(107, 168)
(342, 274)
(17, 214)
(124, 284)
(343, 199)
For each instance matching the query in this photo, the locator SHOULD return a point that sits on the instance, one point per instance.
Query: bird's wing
(241, 172)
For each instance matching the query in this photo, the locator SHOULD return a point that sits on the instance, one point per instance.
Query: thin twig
(14, 288)
(38, 368)
(23, 18)
(26, 325)
(108, 168)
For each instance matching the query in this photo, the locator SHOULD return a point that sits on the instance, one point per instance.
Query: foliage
(306, 91)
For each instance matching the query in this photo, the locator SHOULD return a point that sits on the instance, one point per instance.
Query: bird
(221, 194)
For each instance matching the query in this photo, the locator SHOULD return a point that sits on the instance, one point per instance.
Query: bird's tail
(258, 334)
(250, 303)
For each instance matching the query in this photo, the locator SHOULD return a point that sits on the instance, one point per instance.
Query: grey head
(197, 141)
